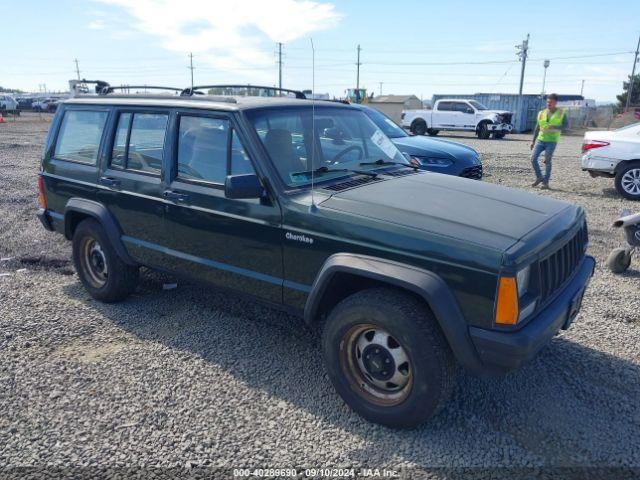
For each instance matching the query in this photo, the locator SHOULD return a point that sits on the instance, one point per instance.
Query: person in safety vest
(552, 121)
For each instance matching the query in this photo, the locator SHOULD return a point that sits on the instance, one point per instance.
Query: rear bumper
(599, 164)
(51, 221)
(501, 352)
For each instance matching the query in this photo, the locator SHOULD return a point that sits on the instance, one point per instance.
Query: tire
(483, 132)
(432, 133)
(421, 361)
(619, 260)
(627, 181)
(419, 127)
(102, 272)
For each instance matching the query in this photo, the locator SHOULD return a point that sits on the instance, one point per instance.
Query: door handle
(109, 181)
(175, 196)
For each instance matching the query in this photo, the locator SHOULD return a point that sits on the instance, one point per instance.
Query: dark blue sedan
(437, 155)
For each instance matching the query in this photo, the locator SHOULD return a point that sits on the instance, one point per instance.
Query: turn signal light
(507, 302)
(41, 199)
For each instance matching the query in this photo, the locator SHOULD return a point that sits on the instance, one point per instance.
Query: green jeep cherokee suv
(309, 207)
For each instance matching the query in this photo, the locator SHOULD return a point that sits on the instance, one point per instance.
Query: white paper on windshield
(383, 143)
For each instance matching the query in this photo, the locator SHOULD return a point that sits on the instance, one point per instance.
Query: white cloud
(97, 25)
(227, 35)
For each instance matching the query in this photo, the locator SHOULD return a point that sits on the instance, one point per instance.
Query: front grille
(474, 172)
(354, 182)
(556, 269)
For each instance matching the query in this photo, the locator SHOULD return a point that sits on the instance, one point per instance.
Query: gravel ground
(192, 377)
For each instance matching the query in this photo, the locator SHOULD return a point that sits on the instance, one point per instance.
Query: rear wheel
(419, 127)
(387, 357)
(628, 181)
(432, 132)
(102, 272)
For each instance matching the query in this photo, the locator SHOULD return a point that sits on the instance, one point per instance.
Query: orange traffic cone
(1, 118)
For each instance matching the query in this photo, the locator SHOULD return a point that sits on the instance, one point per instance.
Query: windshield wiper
(323, 170)
(383, 163)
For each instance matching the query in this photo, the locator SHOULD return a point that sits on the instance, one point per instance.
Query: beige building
(393, 105)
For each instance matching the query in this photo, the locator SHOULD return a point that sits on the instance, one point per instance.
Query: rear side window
(139, 142)
(445, 106)
(79, 136)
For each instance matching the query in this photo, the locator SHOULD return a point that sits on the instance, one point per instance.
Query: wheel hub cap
(631, 181)
(378, 362)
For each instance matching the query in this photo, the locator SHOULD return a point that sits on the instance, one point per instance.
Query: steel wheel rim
(631, 181)
(376, 365)
(94, 262)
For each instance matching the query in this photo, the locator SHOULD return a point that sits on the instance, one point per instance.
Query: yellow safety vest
(544, 120)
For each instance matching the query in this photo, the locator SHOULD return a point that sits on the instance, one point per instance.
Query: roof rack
(103, 88)
(187, 92)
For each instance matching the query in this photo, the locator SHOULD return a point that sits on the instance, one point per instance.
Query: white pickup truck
(458, 114)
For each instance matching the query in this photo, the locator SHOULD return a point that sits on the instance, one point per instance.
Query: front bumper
(500, 127)
(501, 351)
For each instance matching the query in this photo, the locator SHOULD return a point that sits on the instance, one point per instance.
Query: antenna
(312, 207)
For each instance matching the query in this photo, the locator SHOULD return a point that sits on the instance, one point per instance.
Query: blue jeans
(548, 148)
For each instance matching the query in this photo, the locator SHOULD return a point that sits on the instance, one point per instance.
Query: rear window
(79, 136)
(139, 142)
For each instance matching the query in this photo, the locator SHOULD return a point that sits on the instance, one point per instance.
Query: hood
(475, 212)
(430, 147)
(497, 112)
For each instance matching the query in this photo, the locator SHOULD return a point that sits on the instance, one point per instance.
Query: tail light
(590, 144)
(41, 199)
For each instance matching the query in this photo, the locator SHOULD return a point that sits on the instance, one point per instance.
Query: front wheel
(387, 358)
(619, 260)
(483, 131)
(102, 272)
(628, 181)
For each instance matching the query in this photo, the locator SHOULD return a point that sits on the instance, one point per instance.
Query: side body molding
(424, 283)
(102, 215)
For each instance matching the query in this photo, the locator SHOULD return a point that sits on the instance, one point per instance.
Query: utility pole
(582, 88)
(544, 77)
(190, 67)
(380, 87)
(523, 50)
(633, 74)
(358, 75)
(77, 68)
(280, 65)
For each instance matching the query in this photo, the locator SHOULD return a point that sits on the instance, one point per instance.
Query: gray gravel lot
(193, 377)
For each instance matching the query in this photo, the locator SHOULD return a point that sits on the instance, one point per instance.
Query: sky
(408, 47)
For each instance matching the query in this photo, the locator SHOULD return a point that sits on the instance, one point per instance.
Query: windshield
(478, 105)
(344, 138)
(384, 123)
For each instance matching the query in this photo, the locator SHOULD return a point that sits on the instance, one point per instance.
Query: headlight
(522, 280)
(433, 161)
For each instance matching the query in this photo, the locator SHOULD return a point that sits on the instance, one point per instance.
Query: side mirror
(243, 186)
(470, 110)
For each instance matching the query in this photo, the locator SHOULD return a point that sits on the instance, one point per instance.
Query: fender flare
(101, 214)
(423, 283)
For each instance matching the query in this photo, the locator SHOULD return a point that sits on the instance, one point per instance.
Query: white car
(458, 114)
(615, 154)
(8, 103)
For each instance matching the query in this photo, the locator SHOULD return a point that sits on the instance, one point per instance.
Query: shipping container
(524, 112)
